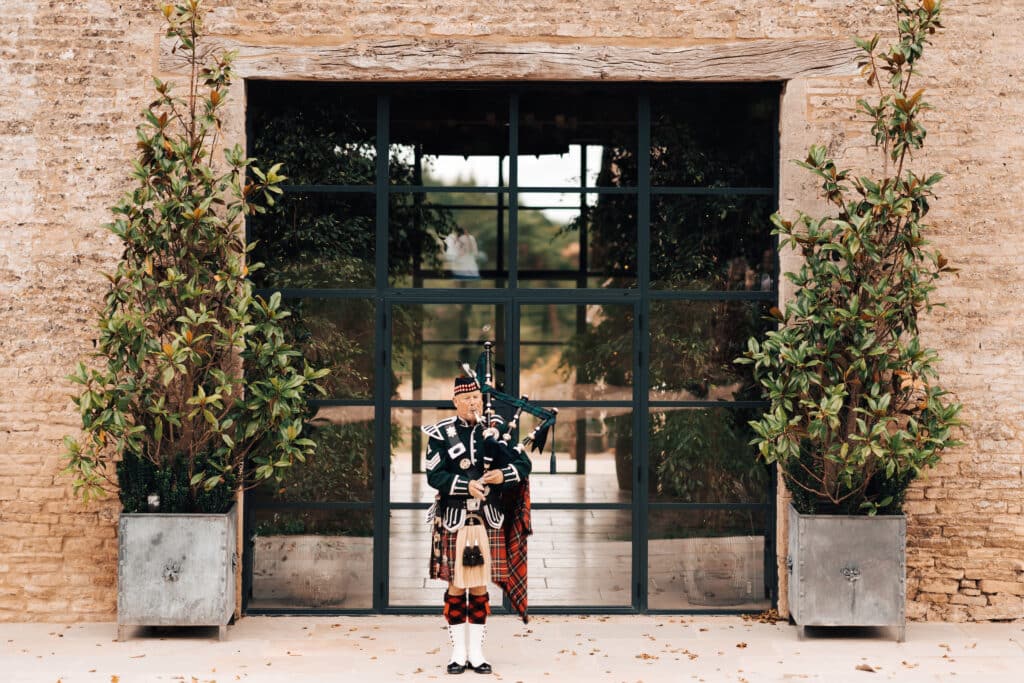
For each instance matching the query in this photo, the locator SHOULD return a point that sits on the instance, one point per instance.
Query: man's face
(468, 405)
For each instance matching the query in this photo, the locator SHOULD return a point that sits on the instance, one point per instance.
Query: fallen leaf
(865, 667)
(770, 616)
(741, 645)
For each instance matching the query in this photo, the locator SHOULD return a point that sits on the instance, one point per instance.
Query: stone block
(933, 598)
(939, 586)
(998, 608)
(1007, 587)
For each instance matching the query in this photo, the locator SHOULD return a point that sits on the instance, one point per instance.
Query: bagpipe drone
(484, 375)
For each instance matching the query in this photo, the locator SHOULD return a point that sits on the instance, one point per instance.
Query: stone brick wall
(74, 75)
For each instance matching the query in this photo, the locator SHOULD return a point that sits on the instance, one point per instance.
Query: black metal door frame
(512, 298)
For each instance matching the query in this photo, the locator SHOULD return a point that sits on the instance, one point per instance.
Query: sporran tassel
(473, 565)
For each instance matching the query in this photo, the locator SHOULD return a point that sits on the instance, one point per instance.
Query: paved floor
(622, 648)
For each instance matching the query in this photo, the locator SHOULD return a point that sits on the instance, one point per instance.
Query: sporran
(471, 542)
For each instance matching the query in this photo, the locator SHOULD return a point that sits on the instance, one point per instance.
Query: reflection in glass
(706, 559)
(577, 139)
(443, 137)
(340, 470)
(312, 559)
(322, 134)
(703, 455)
(446, 239)
(337, 334)
(572, 240)
(714, 136)
(429, 341)
(409, 552)
(315, 240)
(712, 243)
(581, 557)
(576, 351)
(593, 457)
(694, 345)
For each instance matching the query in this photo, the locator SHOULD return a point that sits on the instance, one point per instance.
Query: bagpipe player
(480, 519)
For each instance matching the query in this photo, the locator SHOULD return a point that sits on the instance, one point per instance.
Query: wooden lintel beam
(425, 60)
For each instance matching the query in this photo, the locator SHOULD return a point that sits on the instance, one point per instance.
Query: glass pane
(408, 452)
(573, 240)
(340, 470)
(449, 137)
(312, 559)
(315, 240)
(337, 334)
(712, 243)
(703, 455)
(593, 457)
(714, 136)
(443, 239)
(694, 346)
(409, 584)
(322, 134)
(707, 559)
(576, 351)
(430, 340)
(577, 138)
(581, 557)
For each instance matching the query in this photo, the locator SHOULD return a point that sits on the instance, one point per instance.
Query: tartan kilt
(444, 567)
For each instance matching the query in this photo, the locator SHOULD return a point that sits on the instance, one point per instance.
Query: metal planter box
(848, 570)
(176, 570)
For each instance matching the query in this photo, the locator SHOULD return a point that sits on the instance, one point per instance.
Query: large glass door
(613, 241)
(581, 553)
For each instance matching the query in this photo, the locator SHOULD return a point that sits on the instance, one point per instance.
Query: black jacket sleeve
(440, 474)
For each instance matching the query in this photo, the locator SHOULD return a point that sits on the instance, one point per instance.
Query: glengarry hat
(464, 385)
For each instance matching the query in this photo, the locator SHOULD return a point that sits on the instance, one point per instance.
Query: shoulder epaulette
(435, 430)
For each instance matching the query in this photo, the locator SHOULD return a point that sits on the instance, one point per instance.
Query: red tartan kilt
(445, 570)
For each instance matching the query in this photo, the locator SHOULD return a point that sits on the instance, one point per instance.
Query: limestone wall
(74, 75)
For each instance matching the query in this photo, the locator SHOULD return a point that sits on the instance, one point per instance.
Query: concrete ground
(557, 649)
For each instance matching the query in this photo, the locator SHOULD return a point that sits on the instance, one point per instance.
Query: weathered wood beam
(416, 60)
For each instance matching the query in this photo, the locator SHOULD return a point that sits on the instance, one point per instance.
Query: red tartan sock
(479, 608)
(455, 608)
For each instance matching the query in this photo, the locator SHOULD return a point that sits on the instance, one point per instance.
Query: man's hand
(491, 433)
(493, 477)
(476, 489)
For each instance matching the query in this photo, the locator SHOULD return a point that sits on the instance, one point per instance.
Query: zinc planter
(176, 570)
(847, 570)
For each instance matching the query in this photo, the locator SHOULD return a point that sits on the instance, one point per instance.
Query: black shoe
(484, 668)
(456, 668)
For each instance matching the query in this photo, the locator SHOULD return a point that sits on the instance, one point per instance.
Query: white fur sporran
(470, 536)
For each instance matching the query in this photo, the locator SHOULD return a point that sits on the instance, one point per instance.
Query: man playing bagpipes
(481, 516)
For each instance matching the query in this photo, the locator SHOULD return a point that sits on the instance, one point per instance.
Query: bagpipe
(484, 376)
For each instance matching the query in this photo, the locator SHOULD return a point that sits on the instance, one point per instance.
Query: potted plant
(856, 410)
(195, 393)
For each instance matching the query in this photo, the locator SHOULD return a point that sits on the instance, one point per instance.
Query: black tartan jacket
(458, 452)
